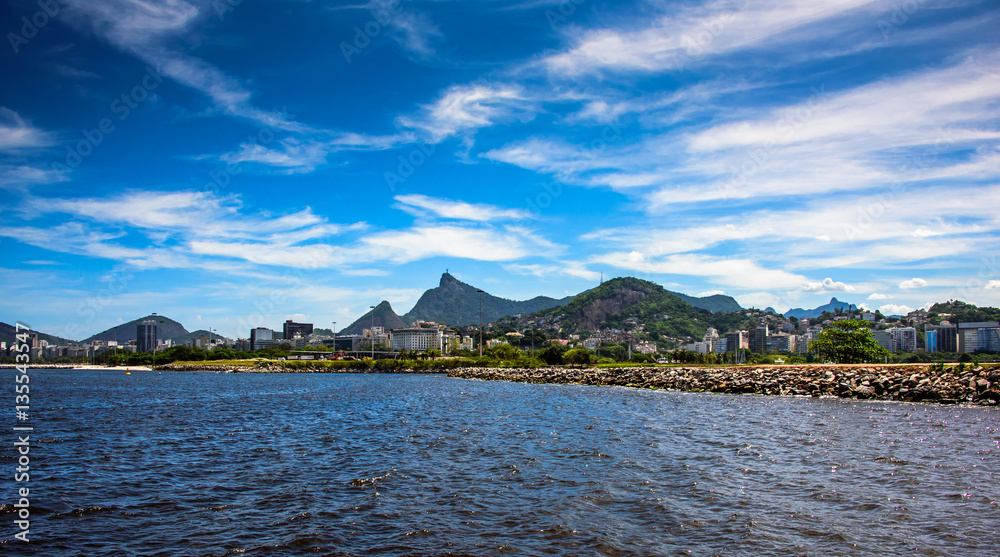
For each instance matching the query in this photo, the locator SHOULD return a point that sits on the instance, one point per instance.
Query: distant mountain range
(609, 305)
(832, 307)
(456, 303)
(452, 302)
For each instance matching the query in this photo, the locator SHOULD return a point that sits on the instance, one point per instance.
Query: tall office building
(292, 328)
(930, 339)
(782, 342)
(941, 338)
(712, 338)
(884, 339)
(417, 339)
(260, 337)
(758, 340)
(983, 336)
(736, 340)
(904, 339)
(145, 336)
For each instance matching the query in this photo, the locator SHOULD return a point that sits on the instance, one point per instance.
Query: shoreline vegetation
(936, 383)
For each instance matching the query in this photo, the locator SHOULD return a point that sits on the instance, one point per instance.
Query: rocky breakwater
(915, 383)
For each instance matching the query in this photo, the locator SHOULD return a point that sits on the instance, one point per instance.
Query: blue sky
(236, 163)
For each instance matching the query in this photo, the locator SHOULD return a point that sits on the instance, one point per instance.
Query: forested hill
(613, 304)
(715, 302)
(456, 303)
(957, 311)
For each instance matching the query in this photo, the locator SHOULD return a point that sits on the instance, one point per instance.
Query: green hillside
(612, 304)
(961, 312)
(715, 302)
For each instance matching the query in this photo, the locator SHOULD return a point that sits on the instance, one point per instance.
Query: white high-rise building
(904, 339)
(417, 339)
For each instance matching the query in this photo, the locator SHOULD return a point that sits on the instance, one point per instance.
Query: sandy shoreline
(80, 366)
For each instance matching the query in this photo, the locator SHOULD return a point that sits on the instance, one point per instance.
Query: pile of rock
(905, 383)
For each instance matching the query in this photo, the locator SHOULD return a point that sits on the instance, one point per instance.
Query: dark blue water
(292, 464)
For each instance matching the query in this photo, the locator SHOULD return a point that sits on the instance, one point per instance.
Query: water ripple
(394, 465)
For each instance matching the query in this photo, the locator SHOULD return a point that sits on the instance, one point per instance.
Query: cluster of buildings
(957, 338)
(41, 349)
(773, 335)
(423, 335)
(983, 336)
(758, 340)
(147, 338)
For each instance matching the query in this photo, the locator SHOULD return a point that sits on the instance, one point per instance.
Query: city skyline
(220, 161)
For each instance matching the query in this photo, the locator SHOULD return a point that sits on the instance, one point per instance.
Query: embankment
(952, 385)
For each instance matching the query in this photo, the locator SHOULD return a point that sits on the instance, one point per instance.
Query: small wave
(892, 460)
(84, 511)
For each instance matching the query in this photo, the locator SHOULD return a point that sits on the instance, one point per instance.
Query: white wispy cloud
(189, 214)
(411, 29)
(465, 242)
(147, 30)
(824, 142)
(692, 33)
(174, 228)
(20, 177)
(574, 269)
(743, 273)
(466, 108)
(422, 205)
(79, 239)
(290, 154)
(17, 134)
(819, 234)
(182, 229)
(826, 285)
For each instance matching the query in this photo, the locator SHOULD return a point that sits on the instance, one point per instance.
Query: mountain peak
(456, 303)
(834, 305)
(166, 328)
(382, 316)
